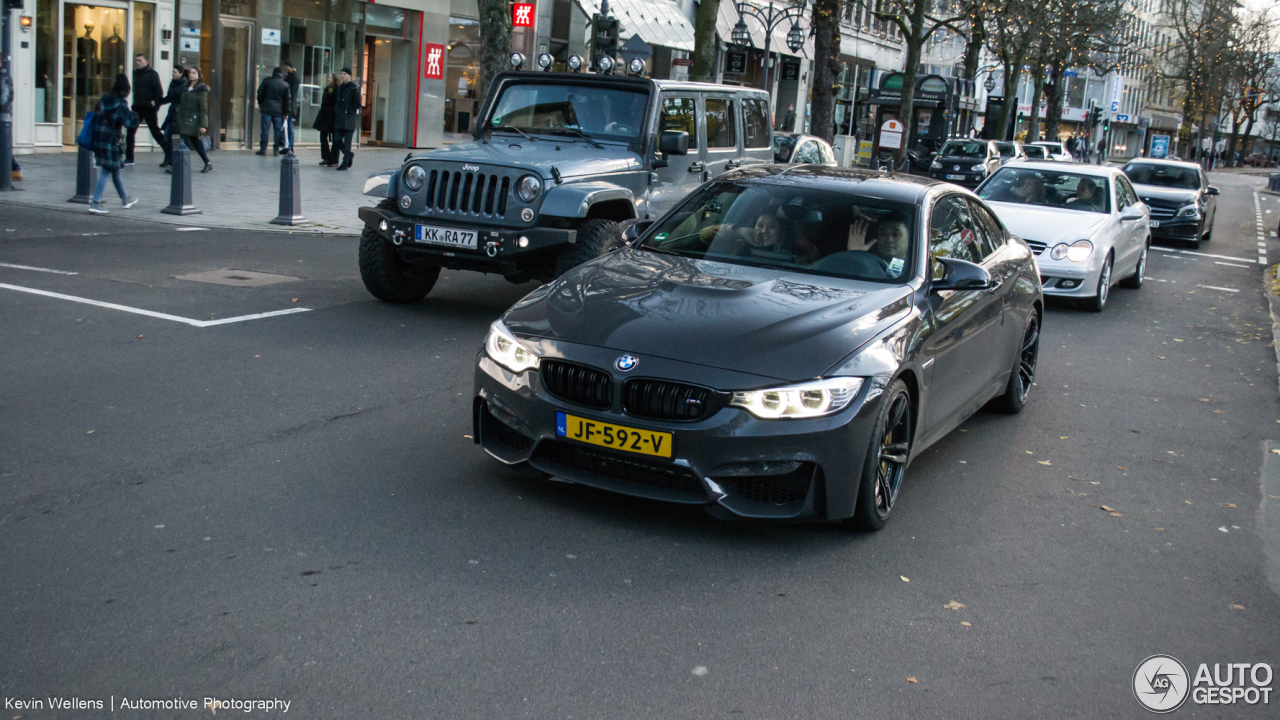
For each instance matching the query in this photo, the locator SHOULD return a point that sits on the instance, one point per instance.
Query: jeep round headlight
(414, 176)
(605, 63)
(528, 188)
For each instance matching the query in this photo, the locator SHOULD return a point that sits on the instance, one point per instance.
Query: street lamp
(770, 17)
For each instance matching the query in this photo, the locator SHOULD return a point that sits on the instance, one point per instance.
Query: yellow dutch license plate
(616, 437)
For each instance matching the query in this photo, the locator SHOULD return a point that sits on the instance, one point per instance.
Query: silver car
(1085, 224)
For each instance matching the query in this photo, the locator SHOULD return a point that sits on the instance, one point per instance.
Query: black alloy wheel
(1024, 370)
(886, 462)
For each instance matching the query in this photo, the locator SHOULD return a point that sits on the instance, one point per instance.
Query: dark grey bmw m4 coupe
(779, 346)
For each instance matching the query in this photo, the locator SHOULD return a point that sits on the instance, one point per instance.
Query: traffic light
(1217, 134)
(1095, 116)
(605, 42)
(1106, 125)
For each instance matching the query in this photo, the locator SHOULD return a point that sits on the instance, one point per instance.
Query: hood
(1158, 192)
(771, 323)
(1048, 225)
(573, 159)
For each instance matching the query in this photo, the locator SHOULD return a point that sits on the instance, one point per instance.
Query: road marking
(149, 313)
(1219, 262)
(1215, 287)
(28, 267)
(189, 229)
(1200, 254)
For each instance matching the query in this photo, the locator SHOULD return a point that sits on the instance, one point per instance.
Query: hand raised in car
(858, 234)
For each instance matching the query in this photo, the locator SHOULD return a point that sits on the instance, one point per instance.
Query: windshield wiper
(523, 134)
(576, 133)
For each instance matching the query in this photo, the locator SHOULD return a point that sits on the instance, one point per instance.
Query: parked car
(1183, 204)
(1057, 151)
(792, 148)
(1035, 152)
(1258, 160)
(965, 162)
(780, 346)
(559, 162)
(1085, 224)
(1010, 151)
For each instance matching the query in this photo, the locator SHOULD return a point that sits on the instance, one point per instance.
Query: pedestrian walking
(172, 98)
(324, 123)
(346, 117)
(788, 120)
(193, 116)
(1070, 144)
(17, 171)
(291, 109)
(1102, 151)
(110, 116)
(147, 94)
(273, 103)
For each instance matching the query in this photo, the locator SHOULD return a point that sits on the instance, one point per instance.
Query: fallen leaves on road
(1230, 505)
(1044, 462)
(89, 433)
(966, 624)
(1121, 468)
(953, 605)
(1274, 450)
(1159, 529)
(905, 578)
(1166, 462)
(912, 680)
(1237, 607)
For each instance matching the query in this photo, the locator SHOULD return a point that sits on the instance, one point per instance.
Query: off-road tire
(596, 237)
(389, 278)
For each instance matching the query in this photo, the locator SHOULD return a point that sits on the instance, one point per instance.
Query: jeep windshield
(792, 228)
(604, 113)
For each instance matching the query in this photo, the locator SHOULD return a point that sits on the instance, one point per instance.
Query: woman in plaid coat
(111, 115)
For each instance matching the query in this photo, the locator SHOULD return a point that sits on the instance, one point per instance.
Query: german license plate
(1153, 223)
(446, 236)
(615, 437)
(955, 177)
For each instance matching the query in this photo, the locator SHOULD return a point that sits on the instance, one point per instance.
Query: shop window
(680, 113)
(143, 30)
(463, 89)
(720, 124)
(46, 95)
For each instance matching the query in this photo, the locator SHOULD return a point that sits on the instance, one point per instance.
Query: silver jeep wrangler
(561, 164)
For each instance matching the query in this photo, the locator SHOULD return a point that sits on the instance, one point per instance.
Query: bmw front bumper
(730, 462)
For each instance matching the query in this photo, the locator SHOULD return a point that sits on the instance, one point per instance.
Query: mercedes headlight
(529, 188)
(1190, 210)
(806, 400)
(507, 351)
(979, 168)
(414, 176)
(935, 165)
(1078, 251)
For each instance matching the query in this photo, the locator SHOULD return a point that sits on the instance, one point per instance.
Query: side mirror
(673, 142)
(960, 275)
(1212, 190)
(636, 229)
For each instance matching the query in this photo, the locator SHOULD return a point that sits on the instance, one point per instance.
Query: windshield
(1071, 191)
(1055, 148)
(1170, 176)
(782, 147)
(1034, 152)
(1006, 149)
(608, 113)
(964, 149)
(798, 229)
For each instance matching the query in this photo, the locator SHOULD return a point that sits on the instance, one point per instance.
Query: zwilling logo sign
(434, 67)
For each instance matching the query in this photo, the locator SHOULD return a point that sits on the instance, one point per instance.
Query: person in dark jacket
(111, 114)
(273, 104)
(147, 94)
(346, 117)
(295, 84)
(324, 123)
(169, 128)
(193, 116)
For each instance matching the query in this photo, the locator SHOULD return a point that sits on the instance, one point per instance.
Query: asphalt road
(290, 507)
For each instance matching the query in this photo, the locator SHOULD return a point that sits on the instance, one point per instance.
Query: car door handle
(696, 167)
(732, 164)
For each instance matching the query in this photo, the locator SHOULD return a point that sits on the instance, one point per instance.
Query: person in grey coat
(346, 117)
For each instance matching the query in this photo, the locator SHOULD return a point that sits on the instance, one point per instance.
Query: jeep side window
(680, 113)
(755, 123)
(720, 123)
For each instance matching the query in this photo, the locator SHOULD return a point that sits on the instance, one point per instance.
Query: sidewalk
(241, 192)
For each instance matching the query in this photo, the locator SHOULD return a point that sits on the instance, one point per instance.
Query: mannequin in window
(86, 62)
(113, 53)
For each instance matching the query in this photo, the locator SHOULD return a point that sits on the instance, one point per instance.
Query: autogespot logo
(1160, 683)
(626, 363)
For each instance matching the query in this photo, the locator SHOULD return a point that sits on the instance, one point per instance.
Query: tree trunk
(1057, 92)
(495, 39)
(704, 42)
(1033, 123)
(906, 111)
(826, 66)
(1012, 75)
(973, 48)
(1236, 121)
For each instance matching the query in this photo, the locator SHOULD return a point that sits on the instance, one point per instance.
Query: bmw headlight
(979, 168)
(507, 351)
(1078, 251)
(1190, 210)
(806, 400)
(529, 188)
(414, 176)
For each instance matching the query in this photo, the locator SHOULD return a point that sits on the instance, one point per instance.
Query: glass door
(235, 86)
(94, 50)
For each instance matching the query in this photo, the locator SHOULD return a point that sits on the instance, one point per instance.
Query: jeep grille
(467, 195)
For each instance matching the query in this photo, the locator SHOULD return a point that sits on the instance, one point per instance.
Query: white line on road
(1199, 254)
(1219, 262)
(149, 313)
(1215, 287)
(28, 267)
(189, 229)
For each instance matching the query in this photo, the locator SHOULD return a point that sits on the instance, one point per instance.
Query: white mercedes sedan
(1085, 224)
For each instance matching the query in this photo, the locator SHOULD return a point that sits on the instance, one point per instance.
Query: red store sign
(522, 14)
(433, 67)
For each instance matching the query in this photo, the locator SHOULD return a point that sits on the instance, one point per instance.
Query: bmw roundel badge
(626, 363)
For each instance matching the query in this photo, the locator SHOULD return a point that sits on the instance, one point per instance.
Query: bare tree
(825, 25)
(495, 38)
(704, 42)
(1252, 58)
(1197, 58)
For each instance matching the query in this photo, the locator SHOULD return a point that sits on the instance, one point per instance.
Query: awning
(727, 19)
(657, 22)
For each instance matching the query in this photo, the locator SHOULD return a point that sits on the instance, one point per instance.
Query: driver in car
(892, 241)
(1086, 194)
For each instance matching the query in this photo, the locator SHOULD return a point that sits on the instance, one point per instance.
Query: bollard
(180, 187)
(290, 192)
(1273, 182)
(86, 177)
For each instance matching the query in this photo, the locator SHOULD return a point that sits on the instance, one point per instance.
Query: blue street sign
(1115, 106)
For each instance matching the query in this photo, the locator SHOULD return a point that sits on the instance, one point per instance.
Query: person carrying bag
(111, 115)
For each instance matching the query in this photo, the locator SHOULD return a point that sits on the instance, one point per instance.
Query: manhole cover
(237, 278)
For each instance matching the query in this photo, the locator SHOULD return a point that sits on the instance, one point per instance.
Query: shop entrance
(231, 107)
(94, 49)
(389, 69)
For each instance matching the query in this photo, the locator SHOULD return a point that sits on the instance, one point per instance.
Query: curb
(1269, 508)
